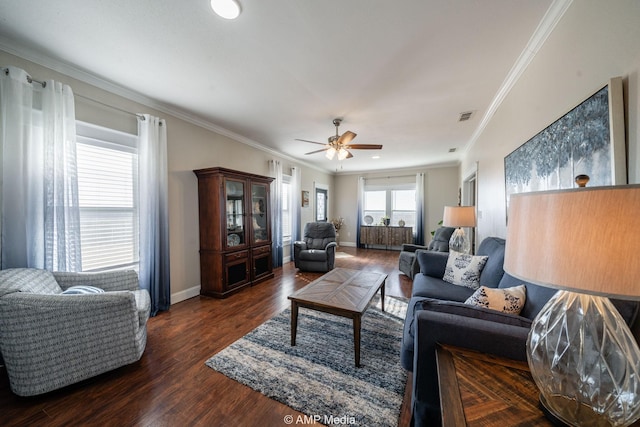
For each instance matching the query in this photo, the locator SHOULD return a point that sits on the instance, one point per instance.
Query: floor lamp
(584, 242)
(459, 216)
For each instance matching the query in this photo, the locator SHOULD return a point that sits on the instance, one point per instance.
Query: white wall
(594, 41)
(189, 147)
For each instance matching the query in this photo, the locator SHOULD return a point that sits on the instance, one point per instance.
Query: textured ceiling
(398, 72)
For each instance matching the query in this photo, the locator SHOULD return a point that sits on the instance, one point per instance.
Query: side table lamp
(582, 355)
(459, 216)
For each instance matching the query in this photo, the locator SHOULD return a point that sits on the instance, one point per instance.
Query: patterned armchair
(317, 251)
(51, 338)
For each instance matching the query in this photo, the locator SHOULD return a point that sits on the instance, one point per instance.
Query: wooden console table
(482, 390)
(387, 236)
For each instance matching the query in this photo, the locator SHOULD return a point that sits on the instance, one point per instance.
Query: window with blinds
(286, 210)
(108, 197)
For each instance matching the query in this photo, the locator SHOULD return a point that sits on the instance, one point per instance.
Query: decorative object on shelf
(233, 240)
(368, 219)
(401, 223)
(385, 220)
(459, 216)
(582, 180)
(583, 357)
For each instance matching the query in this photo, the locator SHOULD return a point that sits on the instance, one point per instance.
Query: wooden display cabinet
(235, 230)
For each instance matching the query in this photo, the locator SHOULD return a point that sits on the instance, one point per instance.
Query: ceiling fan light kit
(340, 144)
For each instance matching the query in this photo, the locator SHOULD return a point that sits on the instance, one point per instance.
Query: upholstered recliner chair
(407, 263)
(51, 337)
(317, 250)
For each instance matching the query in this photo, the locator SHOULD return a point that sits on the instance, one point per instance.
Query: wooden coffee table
(342, 292)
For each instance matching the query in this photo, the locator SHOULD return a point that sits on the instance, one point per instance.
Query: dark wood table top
(478, 389)
(341, 288)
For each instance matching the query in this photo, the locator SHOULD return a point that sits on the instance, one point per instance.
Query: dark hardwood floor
(170, 385)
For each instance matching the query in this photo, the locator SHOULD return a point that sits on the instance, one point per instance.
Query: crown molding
(29, 54)
(546, 26)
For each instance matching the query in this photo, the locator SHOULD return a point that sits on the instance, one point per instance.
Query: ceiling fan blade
(349, 155)
(313, 142)
(365, 146)
(346, 137)
(317, 151)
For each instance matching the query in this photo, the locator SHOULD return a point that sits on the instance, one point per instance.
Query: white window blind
(108, 188)
(286, 210)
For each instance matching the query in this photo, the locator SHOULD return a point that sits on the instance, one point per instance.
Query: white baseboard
(184, 295)
(348, 244)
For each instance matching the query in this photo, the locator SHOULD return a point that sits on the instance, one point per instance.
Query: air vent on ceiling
(452, 150)
(465, 116)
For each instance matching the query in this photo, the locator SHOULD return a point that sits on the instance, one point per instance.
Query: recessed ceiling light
(375, 157)
(227, 9)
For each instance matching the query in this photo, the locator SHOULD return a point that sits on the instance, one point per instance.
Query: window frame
(102, 137)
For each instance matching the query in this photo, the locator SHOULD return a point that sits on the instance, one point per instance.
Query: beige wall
(441, 188)
(593, 42)
(189, 147)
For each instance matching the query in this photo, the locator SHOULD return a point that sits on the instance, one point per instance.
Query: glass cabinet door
(259, 213)
(234, 191)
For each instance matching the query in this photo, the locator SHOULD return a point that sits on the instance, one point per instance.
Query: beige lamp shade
(585, 240)
(459, 216)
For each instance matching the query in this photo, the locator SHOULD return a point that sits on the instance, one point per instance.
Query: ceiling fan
(339, 144)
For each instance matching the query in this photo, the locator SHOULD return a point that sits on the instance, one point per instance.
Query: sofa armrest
(409, 247)
(67, 337)
(432, 263)
(120, 280)
(434, 328)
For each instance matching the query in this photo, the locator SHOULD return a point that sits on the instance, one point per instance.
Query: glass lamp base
(585, 361)
(458, 242)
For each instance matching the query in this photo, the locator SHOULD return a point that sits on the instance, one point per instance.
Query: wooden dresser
(235, 230)
(387, 236)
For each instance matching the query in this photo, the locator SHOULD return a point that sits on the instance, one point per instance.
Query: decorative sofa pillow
(464, 270)
(506, 300)
(82, 289)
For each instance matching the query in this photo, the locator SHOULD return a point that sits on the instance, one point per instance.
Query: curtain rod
(29, 79)
(390, 176)
(138, 115)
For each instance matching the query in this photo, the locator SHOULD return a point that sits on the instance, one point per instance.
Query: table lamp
(582, 355)
(459, 216)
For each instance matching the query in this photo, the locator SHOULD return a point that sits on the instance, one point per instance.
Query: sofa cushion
(432, 263)
(417, 304)
(431, 287)
(30, 280)
(508, 300)
(464, 269)
(493, 247)
(537, 296)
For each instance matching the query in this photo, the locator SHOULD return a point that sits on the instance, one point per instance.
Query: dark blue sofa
(437, 314)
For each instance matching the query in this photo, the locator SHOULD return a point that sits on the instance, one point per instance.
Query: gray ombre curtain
(40, 209)
(361, 183)
(154, 211)
(275, 170)
(296, 206)
(418, 237)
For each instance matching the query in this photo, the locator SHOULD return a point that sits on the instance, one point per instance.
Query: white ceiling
(399, 72)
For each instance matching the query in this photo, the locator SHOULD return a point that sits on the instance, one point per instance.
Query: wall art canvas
(587, 140)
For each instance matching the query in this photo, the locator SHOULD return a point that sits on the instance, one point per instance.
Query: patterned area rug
(318, 376)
